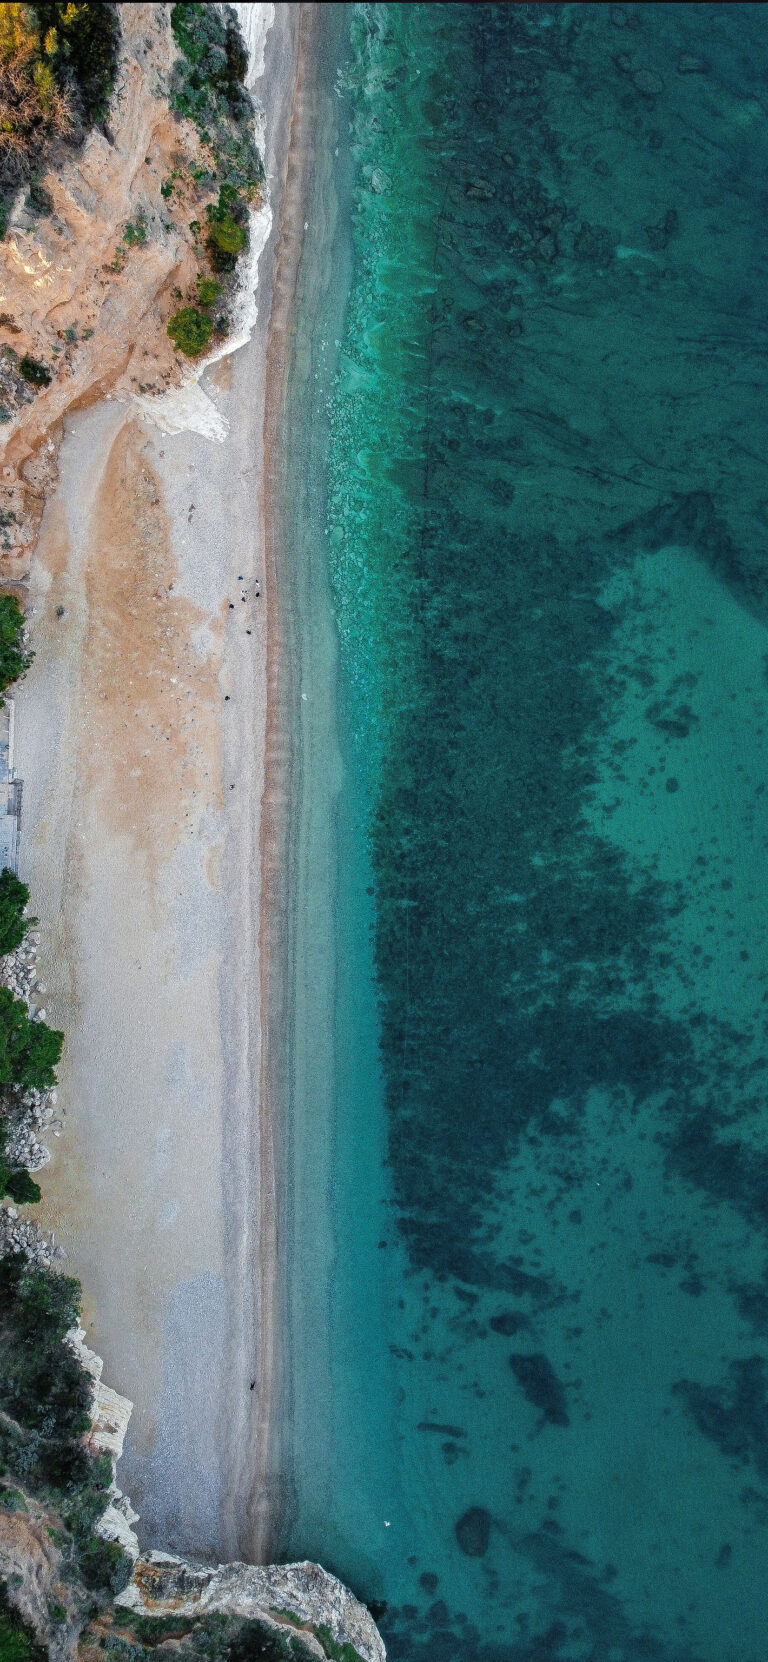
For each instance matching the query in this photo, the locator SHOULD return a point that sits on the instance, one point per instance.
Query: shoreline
(275, 925)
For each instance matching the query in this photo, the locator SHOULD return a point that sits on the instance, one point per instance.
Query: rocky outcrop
(304, 1595)
(304, 1598)
(110, 1414)
(31, 1563)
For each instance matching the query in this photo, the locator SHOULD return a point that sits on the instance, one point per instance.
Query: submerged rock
(473, 1531)
(508, 1322)
(541, 1386)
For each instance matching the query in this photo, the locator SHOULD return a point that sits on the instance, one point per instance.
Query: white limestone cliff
(163, 1585)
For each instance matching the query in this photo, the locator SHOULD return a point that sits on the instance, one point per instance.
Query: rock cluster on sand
(20, 1235)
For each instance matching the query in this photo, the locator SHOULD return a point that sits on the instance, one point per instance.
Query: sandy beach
(153, 741)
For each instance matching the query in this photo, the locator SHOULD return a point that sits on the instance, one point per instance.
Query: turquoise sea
(528, 1171)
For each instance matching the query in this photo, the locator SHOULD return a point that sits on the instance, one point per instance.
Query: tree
(37, 374)
(13, 659)
(29, 1050)
(22, 1188)
(13, 898)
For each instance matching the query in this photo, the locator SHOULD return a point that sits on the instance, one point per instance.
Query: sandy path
(140, 738)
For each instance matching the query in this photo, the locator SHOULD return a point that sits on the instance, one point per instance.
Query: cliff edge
(88, 285)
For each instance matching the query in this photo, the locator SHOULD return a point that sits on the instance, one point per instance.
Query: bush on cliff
(227, 228)
(31, 370)
(29, 1050)
(225, 241)
(190, 331)
(33, 107)
(208, 290)
(215, 62)
(214, 1637)
(104, 1564)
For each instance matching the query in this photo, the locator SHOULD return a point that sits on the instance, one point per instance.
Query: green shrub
(13, 659)
(39, 200)
(135, 232)
(226, 239)
(208, 290)
(214, 50)
(14, 896)
(29, 1050)
(190, 331)
(152, 1630)
(335, 1651)
(37, 374)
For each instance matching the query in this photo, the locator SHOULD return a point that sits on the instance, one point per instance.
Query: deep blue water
(530, 1239)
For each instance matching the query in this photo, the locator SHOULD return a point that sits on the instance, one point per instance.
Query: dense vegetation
(81, 44)
(207, 87)
(212, 1638)
(45, 1399)
(14, 896)
(56, 71)
(45, 1395)
(14, 658)
(29, 1050)
(227, 234)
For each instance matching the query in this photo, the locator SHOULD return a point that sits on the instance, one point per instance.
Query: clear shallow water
(528, 1291)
